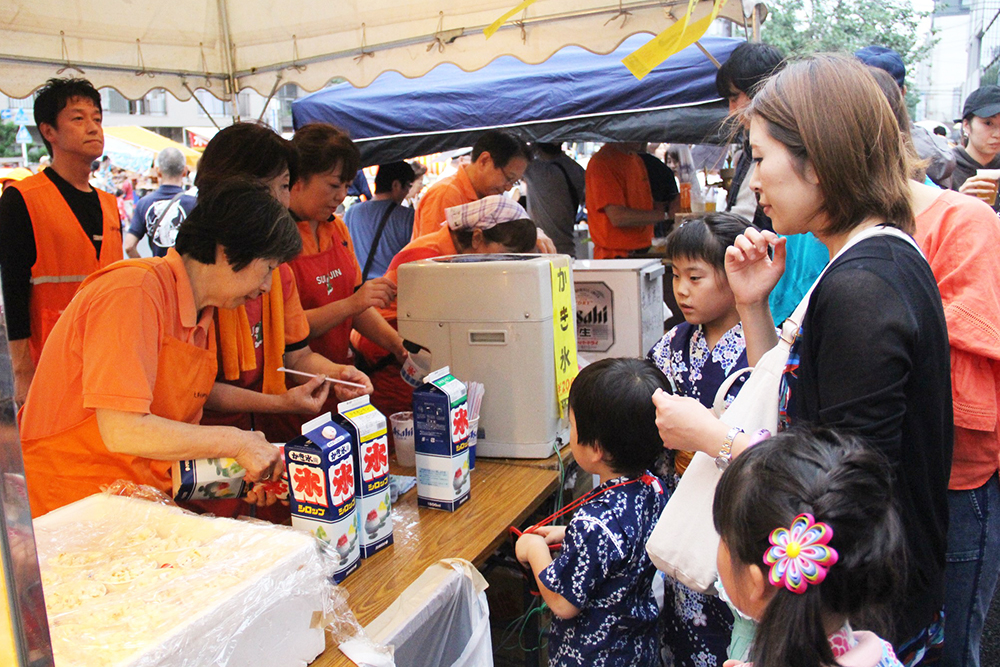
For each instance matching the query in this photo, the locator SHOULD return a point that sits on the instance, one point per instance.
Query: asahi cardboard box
(320, 466)
(367, 427)
(441, 430)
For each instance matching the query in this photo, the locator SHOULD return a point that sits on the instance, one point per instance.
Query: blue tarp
(574, 95)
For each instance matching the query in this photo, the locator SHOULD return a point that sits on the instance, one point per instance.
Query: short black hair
(706, 238)
(940, 131)
(55, 95)
(502, 147)
(245, 150)
(323, 147)
(612, 405)
(748, 66)
(391, 172)
(547, 148)
(244, 218)
(519, 235)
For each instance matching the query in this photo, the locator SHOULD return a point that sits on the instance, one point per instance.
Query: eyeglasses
(510, 180)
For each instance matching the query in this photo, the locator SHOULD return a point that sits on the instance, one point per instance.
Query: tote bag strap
(719, 404)
(790, 327)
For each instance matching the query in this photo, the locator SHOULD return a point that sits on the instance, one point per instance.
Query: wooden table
(504, 493)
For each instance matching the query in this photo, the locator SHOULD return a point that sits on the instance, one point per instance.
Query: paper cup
(993, 175)
(415, 368)
(402, 435)
(473, 437)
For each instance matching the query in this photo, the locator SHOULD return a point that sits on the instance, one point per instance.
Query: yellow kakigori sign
(674, 39)
(564, 329)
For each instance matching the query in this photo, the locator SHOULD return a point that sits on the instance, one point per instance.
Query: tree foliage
(801, 27)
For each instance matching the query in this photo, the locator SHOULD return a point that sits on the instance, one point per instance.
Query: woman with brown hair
(871, 357)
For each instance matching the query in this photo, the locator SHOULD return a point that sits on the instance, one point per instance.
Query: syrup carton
(213, 479)
(441, 430)
(367, 427)
(320, 466)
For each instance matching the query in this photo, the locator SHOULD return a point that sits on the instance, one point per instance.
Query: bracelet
(726, 453)
(759, 436)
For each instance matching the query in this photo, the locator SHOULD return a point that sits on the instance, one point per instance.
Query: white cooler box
(131, 583)
(489, 317)
(619, 307)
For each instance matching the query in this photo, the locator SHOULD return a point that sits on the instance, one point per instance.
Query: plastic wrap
(133, 583)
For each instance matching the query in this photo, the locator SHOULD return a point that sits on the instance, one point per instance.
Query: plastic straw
(313, 375)
(476, 390)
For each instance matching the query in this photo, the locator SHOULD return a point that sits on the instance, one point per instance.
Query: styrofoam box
(132, 583)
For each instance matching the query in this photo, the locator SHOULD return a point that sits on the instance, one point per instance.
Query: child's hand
(528, 544)
(552, 534)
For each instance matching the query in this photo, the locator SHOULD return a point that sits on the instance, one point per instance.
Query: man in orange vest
(55, 229)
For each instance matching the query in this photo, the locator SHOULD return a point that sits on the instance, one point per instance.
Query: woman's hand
(262, 460)
(687, 425)
(752, 274)
(351, 374)
(374, 293)
(308, 398)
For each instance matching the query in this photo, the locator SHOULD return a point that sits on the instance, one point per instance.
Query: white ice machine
(489, 317)
(619, 307)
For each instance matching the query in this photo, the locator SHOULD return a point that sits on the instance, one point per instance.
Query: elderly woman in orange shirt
(131, 363)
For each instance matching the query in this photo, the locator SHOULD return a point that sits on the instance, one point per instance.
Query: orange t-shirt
(454, 190)
(615, 178)
(960, 236)
(437, 244)
(104, 350)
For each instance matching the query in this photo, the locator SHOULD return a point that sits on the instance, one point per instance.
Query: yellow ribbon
(493, 27)
(677, 37)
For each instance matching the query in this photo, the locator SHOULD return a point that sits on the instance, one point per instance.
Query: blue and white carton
(367, 427)
(441, 432)
(320, 466)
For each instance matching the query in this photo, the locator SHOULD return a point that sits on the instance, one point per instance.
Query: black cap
(983, 102)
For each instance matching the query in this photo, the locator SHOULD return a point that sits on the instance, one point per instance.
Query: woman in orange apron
(494, 224)
(270, 331)
(327, 272)
(121, 385)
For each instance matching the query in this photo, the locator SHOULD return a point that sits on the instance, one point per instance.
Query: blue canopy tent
(573, 96)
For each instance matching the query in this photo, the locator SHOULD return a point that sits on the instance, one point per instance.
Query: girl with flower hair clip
(810, 543)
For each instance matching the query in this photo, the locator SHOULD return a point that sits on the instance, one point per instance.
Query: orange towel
(236, 340)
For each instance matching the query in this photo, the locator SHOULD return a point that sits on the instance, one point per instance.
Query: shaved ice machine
(490, 318)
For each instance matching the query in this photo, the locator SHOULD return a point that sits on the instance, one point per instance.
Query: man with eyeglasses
(498, 162)
(620, 211)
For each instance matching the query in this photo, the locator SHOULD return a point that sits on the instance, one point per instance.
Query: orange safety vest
(65, 256)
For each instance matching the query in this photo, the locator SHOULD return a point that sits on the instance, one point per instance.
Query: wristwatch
(726, 453)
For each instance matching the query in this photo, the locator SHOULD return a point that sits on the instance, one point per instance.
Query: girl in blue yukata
(810, 538)
(697, 356)
(600, 587)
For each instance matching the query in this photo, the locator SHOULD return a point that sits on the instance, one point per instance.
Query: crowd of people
(860, 534)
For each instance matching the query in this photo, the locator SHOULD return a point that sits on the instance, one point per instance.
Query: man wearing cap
(160, 213)
(928, 146)
(981, 135)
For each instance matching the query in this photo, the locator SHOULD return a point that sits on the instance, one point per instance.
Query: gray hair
(171, 162)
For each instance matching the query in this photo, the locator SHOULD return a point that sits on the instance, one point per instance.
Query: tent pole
(200, 105)
(230, 58)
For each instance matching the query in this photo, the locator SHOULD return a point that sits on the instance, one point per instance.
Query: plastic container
(402, 434)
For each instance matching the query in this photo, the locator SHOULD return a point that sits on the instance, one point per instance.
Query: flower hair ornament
(800, 555)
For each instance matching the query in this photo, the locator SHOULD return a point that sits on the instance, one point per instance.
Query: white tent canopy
(180, 45)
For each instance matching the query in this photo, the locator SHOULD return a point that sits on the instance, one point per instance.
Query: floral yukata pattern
(604, 571)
